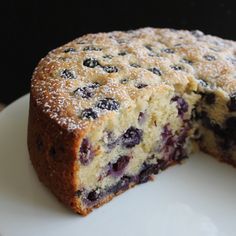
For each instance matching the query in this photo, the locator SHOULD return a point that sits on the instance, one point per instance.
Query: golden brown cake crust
(56, 127)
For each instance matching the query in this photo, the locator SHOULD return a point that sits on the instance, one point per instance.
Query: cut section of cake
(110, 110)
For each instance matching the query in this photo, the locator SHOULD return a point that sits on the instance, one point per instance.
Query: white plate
(197, 198)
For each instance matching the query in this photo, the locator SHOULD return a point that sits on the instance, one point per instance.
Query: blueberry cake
(110, 110)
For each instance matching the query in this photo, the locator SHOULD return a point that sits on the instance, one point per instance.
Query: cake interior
(160, 129)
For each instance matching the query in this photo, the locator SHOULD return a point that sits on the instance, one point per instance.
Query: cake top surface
(98, 73)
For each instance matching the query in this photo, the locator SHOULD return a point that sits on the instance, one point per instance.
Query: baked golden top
(97, 74)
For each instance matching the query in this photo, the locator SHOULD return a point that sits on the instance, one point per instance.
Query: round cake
(110, 110)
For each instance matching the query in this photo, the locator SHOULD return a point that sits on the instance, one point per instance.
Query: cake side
(53, 152)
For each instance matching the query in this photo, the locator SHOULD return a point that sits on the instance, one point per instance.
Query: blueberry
(87, 92)
(78, 193)
(131, 137)
(86, 153)
(93, 195)
(110, 69)
(122, 53)
(141, 117)
(182, 105)
(89, 113)
(149, 47)
(209, 57)
(230, 125)
(118, 167)
(68, 74)
(91, 48)
(91, 62)
(123, 184)
(124, 81)
(108, 56)
(212, 125)
(94, 85)
(69, 50)
(84, 92)
(187, 61)
(52, 152)
(108, 104)
(176, 67)
(135, 65)
(141, 85)
(232, 103)
(39, 143)
(210, 98)
(147, 171)
(168, 50)
(121, 41)
(178, 45)
(203, 83)
(155, 71)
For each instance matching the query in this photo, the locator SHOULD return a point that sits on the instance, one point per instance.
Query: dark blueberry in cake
(78, 193)
(52, 152)
(69, 50)
(178, 45)
(210, 98)
(124, 81)
(155, 71)
(123, 184)
(232, 102)
(135, 65)
(86, 153)
(122, 53)
(108, 104)
(179, 153)
(87, 92)
(93, 195)
(168, 50)
(84, 92)
(166, 133)
(141, 85)
(91, 62)
(187, 61)
(162, 164)
(91, 48)
(131, 137)
(182, 105)
(212, 125)
(148, 47)
(80, 42)
(230, 130)
(209, 57)
(121, 41)
(226, 143)
(110, 69)
(141, 118)
(93, 85)
(108, 56)
(118, 167)
(202, 83)
(176, 67)
(39, 143)
(68, 74)
(89, 113)
(147, 171)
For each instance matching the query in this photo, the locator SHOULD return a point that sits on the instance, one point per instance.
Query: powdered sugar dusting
(187, 56)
